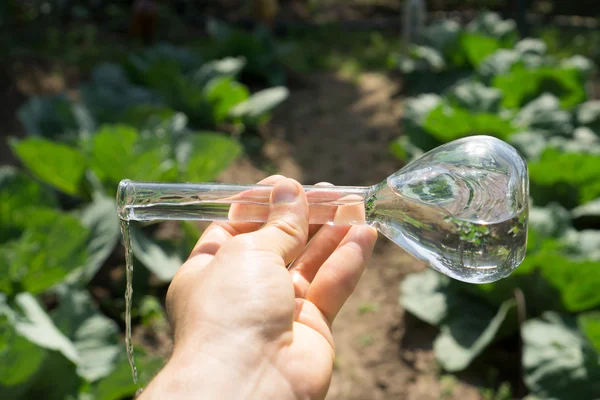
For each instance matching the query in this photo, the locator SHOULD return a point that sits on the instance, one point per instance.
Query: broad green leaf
(259, 104)
(577, 170)
(466, 334)
(497, 63)
(478, 47)
(521, 85)
(101, 219)
(446, 123)
(475, 97)
(425, 296)
(587, 210)
(583, 64)
(51, 117)
(588, 114)
(531, 46)
(56, 380)
(56, 164)
(223, 94)
(140, 116)
(530, 144)
(491, 24)
(31, 321)
(20, 359)
(113, 151)
(119, 153)
(119, 384)
(162, 260)
(109, 93)
(52, 246)
(206, 154)
(443, 36)
(93, 335)
(589, 323)
(558, 360)
(582, 245)
(229, 66)
(545, 115)
(19, 193)
(550, 221)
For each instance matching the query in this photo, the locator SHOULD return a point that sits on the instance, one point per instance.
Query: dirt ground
(337, 129)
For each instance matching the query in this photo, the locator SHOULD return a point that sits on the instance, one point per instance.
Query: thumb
(286, 230)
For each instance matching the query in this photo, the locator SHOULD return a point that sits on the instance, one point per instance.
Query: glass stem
(143, 201)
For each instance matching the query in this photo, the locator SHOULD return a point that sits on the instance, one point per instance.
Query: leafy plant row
(154, 117)
(520, 94)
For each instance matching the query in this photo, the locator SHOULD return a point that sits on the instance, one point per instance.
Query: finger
(219, 232)
(314, 228)
(286, 230)
(305, 267)
(336, 279)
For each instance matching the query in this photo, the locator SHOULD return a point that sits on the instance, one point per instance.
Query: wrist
(242, 370)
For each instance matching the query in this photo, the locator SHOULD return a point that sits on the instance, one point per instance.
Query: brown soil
(337, 130)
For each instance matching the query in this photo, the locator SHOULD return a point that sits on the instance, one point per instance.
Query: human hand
(245, 327)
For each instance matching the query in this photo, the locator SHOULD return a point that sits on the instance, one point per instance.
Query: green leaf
(162, 260)
(31, 321)
(52, 246)
(119, 153)
(582, 245)
(590, 325)
(558, 361)
(437, 299)
(93, 335)
(57, 164)
(259, 104)
(467, 334)
(206, 154)
(229, 66)
(550, 221)
(443, 36)
(20, 359)
(587, 210)
(52, 117)
(532, 46)
(426, 295)
(446, 123)
(577, 170)
(101, 219)
(56, 380)
(545, 115)
(491, 24)
(588, 114)
(476, 97)
(522, 85)
(119, 384)
(223, 94)
(18, 194)
(497, 63)
(478, 47)
(530, 144)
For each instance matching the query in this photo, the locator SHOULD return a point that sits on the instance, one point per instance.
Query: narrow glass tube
(146, 201)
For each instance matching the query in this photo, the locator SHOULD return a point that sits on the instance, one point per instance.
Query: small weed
(366, 308)
(366, 340)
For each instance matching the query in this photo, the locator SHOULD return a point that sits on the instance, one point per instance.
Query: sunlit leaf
(56, 164)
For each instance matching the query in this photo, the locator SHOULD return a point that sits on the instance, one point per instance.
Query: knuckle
(289, 228)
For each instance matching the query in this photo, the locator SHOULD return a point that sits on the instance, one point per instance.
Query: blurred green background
(95, 91)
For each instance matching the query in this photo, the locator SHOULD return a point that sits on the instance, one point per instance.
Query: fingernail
(285, 191)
